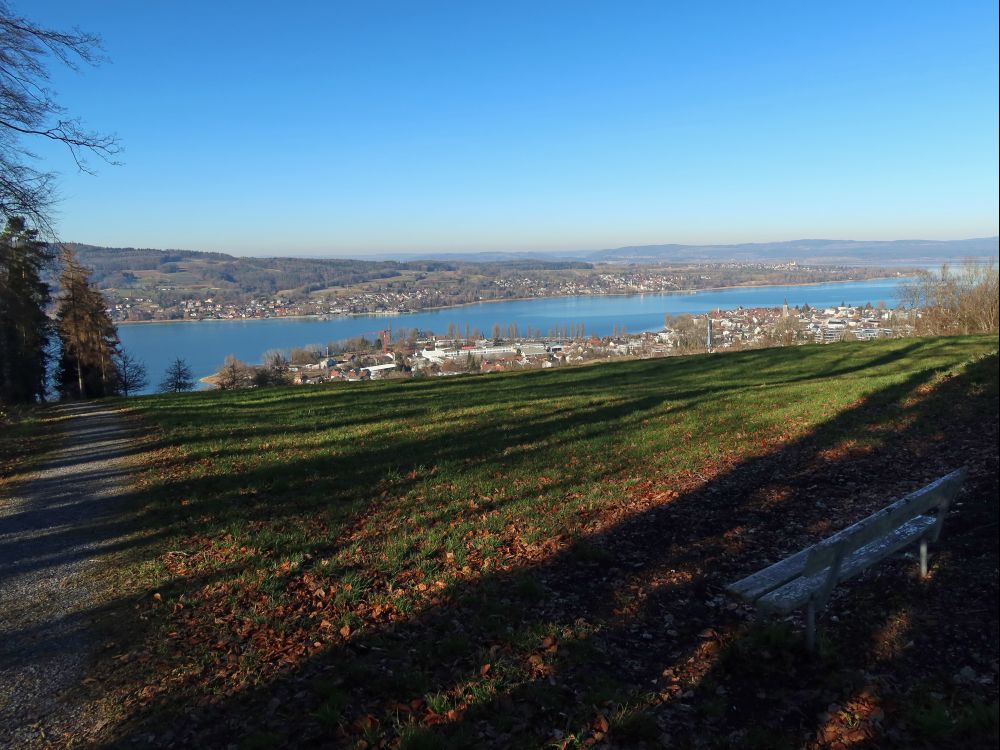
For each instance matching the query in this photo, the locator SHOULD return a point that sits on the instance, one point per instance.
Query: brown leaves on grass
(855, 722)
(649, 599)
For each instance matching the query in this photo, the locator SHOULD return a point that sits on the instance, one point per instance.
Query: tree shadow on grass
(622, 636)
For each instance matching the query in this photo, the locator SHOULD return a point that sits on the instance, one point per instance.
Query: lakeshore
(438, 308)
(205, 346)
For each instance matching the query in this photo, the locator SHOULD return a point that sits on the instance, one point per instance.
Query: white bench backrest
(938, 494)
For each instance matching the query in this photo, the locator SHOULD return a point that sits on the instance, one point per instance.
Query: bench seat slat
(878, 524)
(755, 586)
(860, 534)
(796, 593)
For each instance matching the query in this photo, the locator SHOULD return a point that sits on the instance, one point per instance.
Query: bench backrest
(938, 494)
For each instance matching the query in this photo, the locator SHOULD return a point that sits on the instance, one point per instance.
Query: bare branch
(29, 111)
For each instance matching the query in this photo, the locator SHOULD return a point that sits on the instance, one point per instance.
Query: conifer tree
(24, 324)
(87, 335)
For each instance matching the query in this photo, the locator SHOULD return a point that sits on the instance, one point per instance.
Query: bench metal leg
(810, 627)
(923, 558)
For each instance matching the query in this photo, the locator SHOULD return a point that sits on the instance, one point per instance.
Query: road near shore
(58, 534)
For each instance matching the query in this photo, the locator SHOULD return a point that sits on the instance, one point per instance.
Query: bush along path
(60, 529)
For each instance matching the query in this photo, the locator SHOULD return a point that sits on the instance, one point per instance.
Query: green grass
(934, 718)
(436, 507)
(439, 459)
(26, 433)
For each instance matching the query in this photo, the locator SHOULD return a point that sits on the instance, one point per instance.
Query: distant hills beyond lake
(842, 252)
(839, 252)
(905, 252)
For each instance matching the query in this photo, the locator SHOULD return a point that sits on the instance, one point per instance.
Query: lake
(204, 344)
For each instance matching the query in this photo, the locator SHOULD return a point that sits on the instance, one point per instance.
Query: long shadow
(904, 662)
(73, 509)
(685, 385)
(366, 466)
(609, 621)
(593, 379)
(581, 585)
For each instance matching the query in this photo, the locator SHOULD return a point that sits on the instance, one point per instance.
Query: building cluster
(719, 330)
(440, 356)
(139, 309)
(393, 297)
(836, 324)
(650, 279)
(763, 326)
(348, 367)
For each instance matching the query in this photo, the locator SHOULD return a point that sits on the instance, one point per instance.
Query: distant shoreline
(643, 294)
(323, 316)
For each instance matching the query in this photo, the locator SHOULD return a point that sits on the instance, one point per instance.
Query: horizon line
(419, 253)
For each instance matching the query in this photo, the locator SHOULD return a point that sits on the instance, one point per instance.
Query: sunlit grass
(318, 513)
(447, 474)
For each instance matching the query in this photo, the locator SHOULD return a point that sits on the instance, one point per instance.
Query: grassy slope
(537, 558)
(26, 433)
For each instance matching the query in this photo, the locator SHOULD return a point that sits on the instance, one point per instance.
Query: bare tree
(688, 333)
(132, 375)
(274, 371)
(787, 331)
(955, 302)
(29, 112)
(306, 355)
(178, 378)
(234, 374)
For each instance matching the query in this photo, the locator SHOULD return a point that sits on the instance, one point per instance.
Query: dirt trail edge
(57, 534)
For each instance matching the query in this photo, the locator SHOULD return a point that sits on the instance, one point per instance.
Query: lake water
(205, 344)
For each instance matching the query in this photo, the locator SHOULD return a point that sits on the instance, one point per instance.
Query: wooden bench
(807, 578)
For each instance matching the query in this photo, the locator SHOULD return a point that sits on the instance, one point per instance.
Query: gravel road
(56, 535)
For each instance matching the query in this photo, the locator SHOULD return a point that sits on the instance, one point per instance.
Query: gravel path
(56, 535)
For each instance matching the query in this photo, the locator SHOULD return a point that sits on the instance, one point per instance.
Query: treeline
(955, 301)
(75, 351)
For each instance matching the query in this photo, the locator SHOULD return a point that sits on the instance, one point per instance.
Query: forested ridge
(111, 267)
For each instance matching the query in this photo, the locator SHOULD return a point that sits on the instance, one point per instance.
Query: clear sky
(369, 126)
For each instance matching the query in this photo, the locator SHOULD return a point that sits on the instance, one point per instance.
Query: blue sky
(365, 127)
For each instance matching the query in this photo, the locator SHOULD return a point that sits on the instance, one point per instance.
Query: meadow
(537, 559)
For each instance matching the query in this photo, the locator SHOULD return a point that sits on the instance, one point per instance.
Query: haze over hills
(815, 251)
(821, 251)
(906, 252)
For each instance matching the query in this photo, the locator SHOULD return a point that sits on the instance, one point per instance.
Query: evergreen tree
(178, 378)
(24, 325)
(87, 335)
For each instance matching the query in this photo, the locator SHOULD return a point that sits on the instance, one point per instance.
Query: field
(537, 559)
